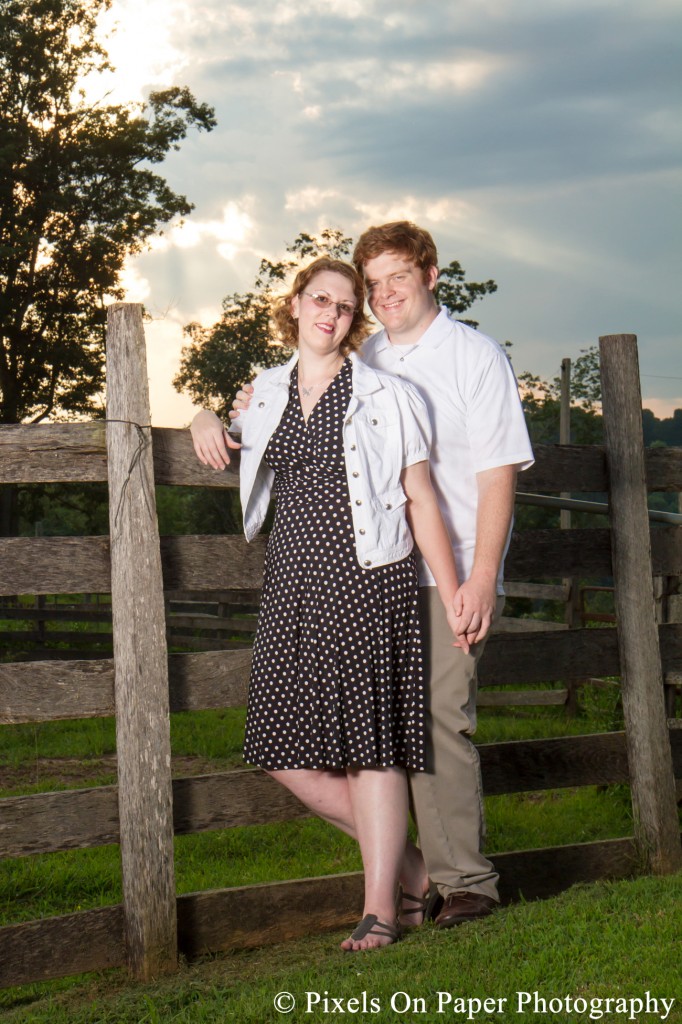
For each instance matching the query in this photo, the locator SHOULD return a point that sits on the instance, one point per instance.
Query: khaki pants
(447, 797)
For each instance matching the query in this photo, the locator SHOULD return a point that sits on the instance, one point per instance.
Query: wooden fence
(141, 684)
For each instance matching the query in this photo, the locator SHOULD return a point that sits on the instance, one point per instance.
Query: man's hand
(474, 607)
(211, 440)
(241, 402)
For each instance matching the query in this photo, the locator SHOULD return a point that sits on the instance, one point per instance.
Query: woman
(336, 697)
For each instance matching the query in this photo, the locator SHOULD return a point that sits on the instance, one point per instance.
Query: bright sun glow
(137, 38)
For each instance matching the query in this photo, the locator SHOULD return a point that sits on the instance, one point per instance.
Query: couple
(342, 700)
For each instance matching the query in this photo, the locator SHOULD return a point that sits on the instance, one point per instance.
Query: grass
(608, 940)
(521, 948)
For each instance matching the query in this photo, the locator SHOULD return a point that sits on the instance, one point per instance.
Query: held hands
(211, 440)
(455, 624)
(473, 609)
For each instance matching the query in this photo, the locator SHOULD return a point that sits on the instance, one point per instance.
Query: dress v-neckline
(299, 403)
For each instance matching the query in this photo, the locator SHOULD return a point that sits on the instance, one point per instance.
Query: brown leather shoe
(462, 905)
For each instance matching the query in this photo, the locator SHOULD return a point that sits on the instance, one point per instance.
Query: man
(480, 441)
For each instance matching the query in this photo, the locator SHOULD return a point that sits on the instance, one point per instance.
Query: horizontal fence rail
(70, 565)
(76, 453)
(76, 819)
(44, 691)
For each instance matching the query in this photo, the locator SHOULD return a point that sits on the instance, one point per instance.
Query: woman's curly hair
(286, 327)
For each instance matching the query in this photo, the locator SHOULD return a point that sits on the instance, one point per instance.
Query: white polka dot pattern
(337, 675)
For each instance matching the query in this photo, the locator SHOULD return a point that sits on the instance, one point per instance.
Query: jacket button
(367, 562)
(388, 505)
(349, 421)
(361, 532)
(358, 501)
(352, 447)
(261, 405)
(375, 422)
(356, 473)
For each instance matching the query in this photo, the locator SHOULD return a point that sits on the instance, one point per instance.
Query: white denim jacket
(386, 427)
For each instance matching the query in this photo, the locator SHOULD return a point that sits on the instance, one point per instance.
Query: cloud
(540, 143)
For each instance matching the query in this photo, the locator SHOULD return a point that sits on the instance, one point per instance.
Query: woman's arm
(211, 440)
(432, 539)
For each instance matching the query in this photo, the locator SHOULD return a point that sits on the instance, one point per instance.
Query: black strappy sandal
(371, 925)
(428, 905)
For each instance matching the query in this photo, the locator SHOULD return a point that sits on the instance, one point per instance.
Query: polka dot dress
(337, 675)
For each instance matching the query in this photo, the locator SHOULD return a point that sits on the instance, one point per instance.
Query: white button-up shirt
(473, 401)
(386, 428)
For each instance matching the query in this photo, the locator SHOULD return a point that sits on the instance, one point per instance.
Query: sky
(537, 140)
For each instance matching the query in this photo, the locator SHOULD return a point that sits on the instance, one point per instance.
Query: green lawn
(557, 947)
(616, 941)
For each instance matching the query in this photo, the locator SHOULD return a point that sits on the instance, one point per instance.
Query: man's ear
(432, 278)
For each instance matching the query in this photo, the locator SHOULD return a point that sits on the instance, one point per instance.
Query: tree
(77, 196)
(457, 294)
(220, 358)
(585, 383)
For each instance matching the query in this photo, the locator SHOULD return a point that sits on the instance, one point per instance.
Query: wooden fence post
(649, 757)
(140, 656)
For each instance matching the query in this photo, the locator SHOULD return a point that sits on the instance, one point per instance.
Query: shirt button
(388, 505)
(358, 501)
(261, 405)
(355, 473)
(352, 447)
(367, 562)
(402, 359)
(375, 422)
(361, 532)
(349, 421)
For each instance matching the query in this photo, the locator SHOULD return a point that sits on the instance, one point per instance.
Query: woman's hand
(456, 625)
(211, 440)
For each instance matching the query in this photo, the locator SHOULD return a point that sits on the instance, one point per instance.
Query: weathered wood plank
(212, 563)
(63, 565)
(570, 467)
(663, 469)
(215, 679)
(55, 565)
(41, 691)
(512, 658)
(56, 452)
(140, 656)
(652, 781)
(53, 452)
(244, 796)
(176, 463)
(56, 947)
(539, 874)
(65, 820)
(258, 915)
(48, 822)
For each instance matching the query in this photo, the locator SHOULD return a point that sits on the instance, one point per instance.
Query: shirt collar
(434, 335)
